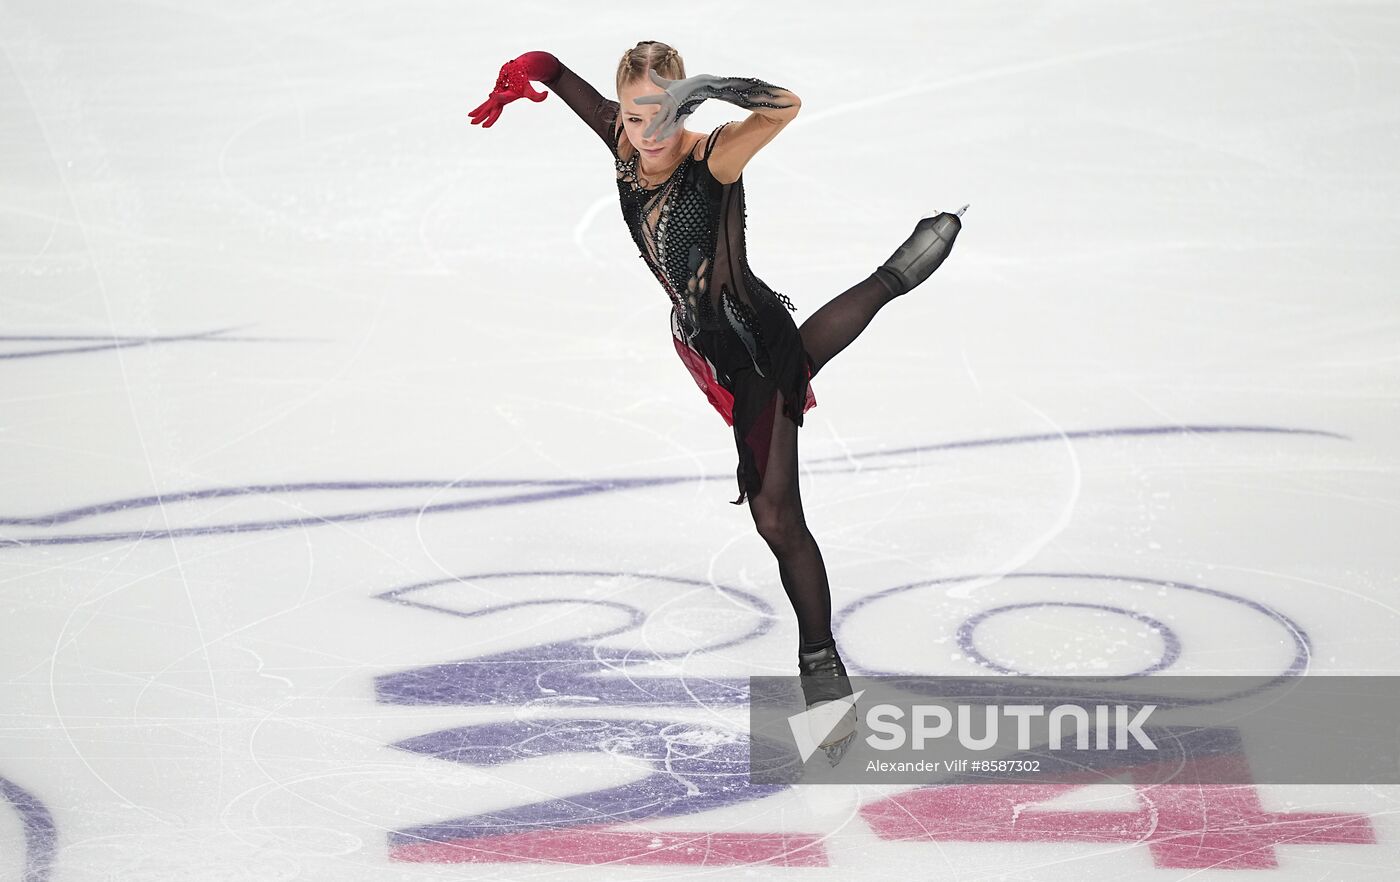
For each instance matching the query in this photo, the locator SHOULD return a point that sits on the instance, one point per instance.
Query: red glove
(514, 82)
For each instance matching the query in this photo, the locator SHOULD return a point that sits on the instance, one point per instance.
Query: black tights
(777, 508)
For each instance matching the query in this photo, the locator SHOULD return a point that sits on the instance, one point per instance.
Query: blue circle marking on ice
(1296, 666)
(1171, 643)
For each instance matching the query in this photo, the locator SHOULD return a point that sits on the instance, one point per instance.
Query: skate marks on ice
(12, 346)
(666, 611)
(585, 671)
(123, 520)
(1155, 625)
(692, 765)
(1180, 826)
(621, 675)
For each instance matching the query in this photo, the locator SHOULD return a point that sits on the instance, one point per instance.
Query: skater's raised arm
(599, 113)
(773, 107)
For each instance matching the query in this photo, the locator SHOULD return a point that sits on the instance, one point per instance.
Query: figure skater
(683, 201)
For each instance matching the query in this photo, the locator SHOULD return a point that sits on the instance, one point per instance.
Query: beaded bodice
(690, 231)
(674, 227)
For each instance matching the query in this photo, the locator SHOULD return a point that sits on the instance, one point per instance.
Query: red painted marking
(1189, 826)
(612, 846)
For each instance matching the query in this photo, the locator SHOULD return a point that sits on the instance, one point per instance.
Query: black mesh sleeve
(599, 113)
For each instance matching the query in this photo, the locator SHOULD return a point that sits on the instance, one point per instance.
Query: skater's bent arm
(599, 113)
(772, 108)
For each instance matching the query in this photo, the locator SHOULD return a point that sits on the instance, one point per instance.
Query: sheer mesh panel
(598, 112)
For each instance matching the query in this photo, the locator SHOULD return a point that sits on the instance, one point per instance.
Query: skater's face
(636, 118)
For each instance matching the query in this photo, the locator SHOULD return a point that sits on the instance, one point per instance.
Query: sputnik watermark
(812, 729)
(932, 722)
(1182, 730)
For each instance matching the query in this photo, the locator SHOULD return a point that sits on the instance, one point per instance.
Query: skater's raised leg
(842, 318)
(834, 326)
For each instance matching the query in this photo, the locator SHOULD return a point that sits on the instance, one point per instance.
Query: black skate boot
(823, 678)
(923, 252)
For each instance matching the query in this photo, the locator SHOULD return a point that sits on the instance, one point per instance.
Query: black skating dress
(730, 329)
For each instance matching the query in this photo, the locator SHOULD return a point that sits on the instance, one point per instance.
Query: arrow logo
(812, 729)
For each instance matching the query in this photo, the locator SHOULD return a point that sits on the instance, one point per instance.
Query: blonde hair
(635, 62)
(649, 55)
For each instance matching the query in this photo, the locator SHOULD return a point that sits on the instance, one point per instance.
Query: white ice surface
(1183, 214)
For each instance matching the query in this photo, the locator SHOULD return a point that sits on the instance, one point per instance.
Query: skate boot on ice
(923, 251)
(823, 678)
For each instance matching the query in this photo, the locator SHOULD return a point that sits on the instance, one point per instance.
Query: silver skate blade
(836, 751)
(839, 739)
